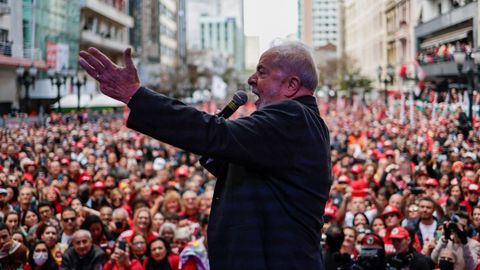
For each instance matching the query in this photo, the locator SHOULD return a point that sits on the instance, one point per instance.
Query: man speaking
(272, 167)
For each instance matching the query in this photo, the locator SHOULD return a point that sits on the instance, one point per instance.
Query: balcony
(6, 48)
(4, 8)
(91, 38)
(108, 12)
(454, 17)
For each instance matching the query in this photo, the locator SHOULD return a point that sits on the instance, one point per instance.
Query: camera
(370, 258)
(416, 190)
(122, 244)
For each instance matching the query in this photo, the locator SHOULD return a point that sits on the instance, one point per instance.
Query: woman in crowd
(159, 256)
(48, 233)
(167, 231)
(40, 258)
(138, 247)
(100, 235)
(142, 224)
(157, 221)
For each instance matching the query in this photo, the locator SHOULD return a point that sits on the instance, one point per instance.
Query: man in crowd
(83, 254)
(406, 257)
(69, 216)
(13, 254)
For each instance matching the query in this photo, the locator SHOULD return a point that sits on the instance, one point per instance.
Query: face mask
(40, 257)
(446, 265)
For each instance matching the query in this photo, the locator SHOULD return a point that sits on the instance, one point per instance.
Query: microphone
(239, 99)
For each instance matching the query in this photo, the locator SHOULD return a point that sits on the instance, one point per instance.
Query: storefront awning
(446, 37)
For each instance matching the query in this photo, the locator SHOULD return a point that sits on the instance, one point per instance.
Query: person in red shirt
(159, 256)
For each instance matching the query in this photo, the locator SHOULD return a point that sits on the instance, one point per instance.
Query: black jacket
(412, 260)
(273, 170)
(93, 261)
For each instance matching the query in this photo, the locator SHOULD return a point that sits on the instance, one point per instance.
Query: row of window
(167, 51)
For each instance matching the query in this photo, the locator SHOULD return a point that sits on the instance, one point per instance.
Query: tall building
(252, 52)
(218, 34)
(365, 35)
(40, 34)
(105, 24)
(12, 54)
(319, 22)
(215, 10)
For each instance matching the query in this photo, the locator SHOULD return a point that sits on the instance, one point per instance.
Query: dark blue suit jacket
(273, 171)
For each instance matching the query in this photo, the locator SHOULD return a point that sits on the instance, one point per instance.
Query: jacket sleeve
(470, 254)
(436, 251)
(271, 131)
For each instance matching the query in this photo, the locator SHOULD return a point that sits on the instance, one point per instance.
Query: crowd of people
(89, 193)
(442, 52)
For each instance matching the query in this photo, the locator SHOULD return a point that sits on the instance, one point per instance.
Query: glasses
(69, 219)
(430, 186)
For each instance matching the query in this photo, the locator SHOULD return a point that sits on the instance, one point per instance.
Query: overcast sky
(270, 19)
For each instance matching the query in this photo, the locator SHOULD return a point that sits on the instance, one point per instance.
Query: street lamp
(350, 80)
(460, 56)
(58, 79)
(27, 78)
(78, 83)
(387, 80)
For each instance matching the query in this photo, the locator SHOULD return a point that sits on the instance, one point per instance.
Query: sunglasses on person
(69, 219)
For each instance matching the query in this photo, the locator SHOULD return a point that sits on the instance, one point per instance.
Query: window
(3, 35)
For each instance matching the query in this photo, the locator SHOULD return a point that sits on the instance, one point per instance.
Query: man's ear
(293, 86)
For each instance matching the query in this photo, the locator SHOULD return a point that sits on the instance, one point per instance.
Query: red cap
(371, 239)
(359, 193)
(391, 210)
(86, 178)
(473, 188)
(64, 161)
(181, 171)
(357, 168)
(99, 185)
(157, 189)
(390, 153)
(431, 182)
(79, 145)
(343, 179)
(399, 233)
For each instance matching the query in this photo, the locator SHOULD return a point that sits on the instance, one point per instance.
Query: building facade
(365, 35)
(319, 22)
(205, 10)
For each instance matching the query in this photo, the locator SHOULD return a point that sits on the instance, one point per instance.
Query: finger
(92, 61)
(107, 63)
(89, 69)
(127, 58)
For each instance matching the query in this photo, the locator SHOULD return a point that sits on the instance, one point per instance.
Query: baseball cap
(3, 191)
(473, 188)
(181, 171)
(399, 233)
(432, 182)
(391, 210)
(371, 240)
(343, 179)
(357, 168)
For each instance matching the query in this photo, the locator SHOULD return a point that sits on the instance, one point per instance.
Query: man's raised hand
(117, 82)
